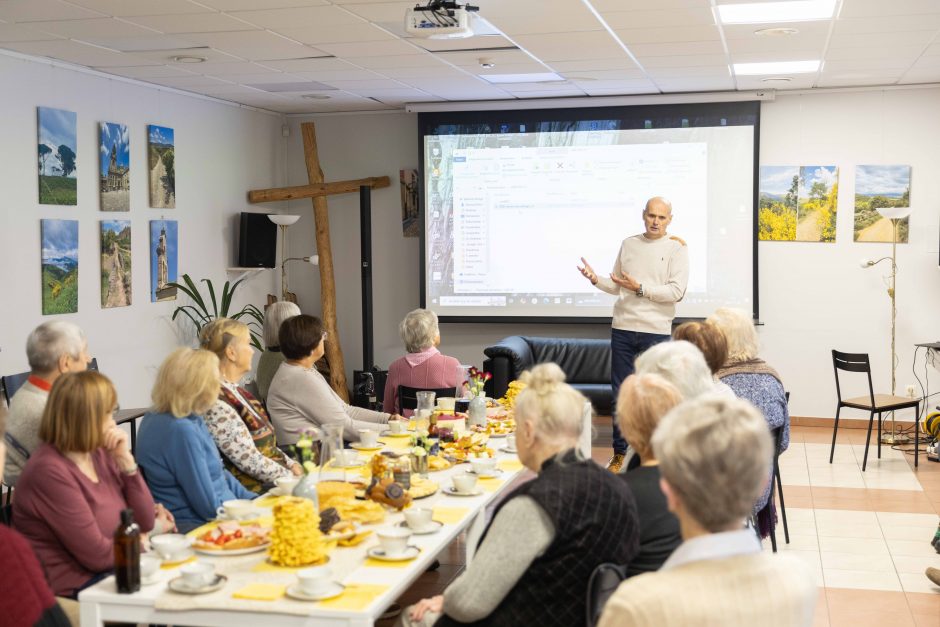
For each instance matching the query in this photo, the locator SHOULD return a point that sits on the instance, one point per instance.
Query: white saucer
(296, 592)
(179, 558)
(506, 449)
(433, 527)
(361, 447)
(409, 553)
(231, 552)
(255, 515)
(487, 475)
(152, 579)
(389, 434)
(355, 464)
(179, 585)
(453, 492)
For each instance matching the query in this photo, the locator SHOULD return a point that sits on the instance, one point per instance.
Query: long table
(101, 602)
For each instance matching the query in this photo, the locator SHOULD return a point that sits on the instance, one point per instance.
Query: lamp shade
(283, 220)
(894, 212)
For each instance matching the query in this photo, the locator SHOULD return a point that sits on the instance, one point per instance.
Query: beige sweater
(661, 266)
(26, 409)
(741, 591)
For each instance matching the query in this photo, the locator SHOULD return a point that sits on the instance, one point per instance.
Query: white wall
(221, 152)
(814, 297)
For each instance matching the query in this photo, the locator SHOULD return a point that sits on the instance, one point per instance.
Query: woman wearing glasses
(300, 398)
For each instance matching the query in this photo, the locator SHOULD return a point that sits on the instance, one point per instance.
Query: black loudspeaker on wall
(257, 242)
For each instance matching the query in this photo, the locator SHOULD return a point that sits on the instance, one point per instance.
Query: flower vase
(476, 414)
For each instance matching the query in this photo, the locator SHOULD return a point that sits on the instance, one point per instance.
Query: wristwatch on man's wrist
(639, 291)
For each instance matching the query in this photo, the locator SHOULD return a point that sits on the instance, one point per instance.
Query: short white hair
(658, 199)
(715, 453)
(738, 327)
(274, 316)
(551, 405)
(681, 363)
(419, 330)
(50, 341)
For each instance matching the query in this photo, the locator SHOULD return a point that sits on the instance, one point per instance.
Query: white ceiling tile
(439, 71)
(607, 75)
(255, 45)
(529, 88)
(151, 42)
(43, 11)
(778, 47)
(250, 5)
(932, 50)
(162, 56)
(200, 23)
(665, 35)
(369, 49)
(571, 46)
(626, 90)
(335, 34)
(760, 57)
(499, 57)
(800, 81)
(401, 94)
(75, 52)
(237, 68)
(507, 68)
(680, 48)
(382, 11)
(620, 62)
(328, 76)
(298, 17)
(892, 39)
(470, 43)
(689, 72)
(875, 50)
(849, 65)
(376, 83)
(547, 21)
(887, 24)
(146, 72)
(804, 30)
(682, 60)
(313, 64)
(91, 29)
(643, 5)
(269, 78)
(874, 8)
(659, 17)
(628, 85)
(400, 61)
(128, 8)
(187, 82)
(20, 32)
(926, 63)
(713, 83)
(921, 76)
(571, 92)
(844, 79)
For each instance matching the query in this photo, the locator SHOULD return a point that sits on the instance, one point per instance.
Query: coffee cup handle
(220, 512)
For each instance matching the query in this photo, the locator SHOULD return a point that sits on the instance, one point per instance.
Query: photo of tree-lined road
(881, 187)
(798, 203)
(115, 263)
(58, 183)
(161, 157)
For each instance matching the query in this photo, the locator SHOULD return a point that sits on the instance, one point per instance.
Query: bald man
(650, 276)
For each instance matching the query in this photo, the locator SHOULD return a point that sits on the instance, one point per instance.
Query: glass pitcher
(331, 468)
(424, 410)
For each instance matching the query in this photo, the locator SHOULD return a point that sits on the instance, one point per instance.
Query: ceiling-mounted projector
(440, 19)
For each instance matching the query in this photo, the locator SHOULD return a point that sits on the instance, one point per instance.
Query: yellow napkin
(356, 596)
(267, 567)
(172, 565)
(269, 500)
(260, 592)
(489, 486)
(509, 465)
(449, 515)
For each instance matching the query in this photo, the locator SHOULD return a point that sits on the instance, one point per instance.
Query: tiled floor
(865, 535)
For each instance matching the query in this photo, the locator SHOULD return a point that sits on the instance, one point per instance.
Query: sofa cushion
(599, 394)
(583, 360)
(516, 349)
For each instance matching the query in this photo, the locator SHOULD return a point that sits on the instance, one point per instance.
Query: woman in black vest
(534, 560)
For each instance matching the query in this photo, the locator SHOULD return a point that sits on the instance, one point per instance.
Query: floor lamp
(284, 221)
(895, 214)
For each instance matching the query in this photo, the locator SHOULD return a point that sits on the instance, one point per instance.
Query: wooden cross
(317, 190)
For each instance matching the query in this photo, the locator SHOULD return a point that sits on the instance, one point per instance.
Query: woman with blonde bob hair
(71, 494)
(548, 536)
(239, 424)
(175, 449)
(754, 380)
(643, 400)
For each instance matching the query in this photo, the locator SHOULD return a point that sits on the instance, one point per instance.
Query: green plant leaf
(228, 293)
(183, 310)
(193, 292)
(215, 307)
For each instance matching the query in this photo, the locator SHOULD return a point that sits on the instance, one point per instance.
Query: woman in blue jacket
(178, 455)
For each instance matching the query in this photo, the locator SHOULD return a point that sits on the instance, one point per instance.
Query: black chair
(408, 399)
(873, 403)
(778, 436)
(601, 586)
(6, 514)
(13, 382)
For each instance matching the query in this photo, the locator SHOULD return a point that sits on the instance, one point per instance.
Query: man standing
(649, 277)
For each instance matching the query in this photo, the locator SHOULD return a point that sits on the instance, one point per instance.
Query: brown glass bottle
(432, 425)
(127, 554)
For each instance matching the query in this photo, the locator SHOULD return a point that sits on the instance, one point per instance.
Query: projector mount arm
(444, 9)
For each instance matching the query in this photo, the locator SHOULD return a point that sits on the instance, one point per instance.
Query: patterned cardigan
(243, 432)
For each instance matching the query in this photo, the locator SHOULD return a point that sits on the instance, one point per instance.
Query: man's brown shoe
(615, 463)
(933, 574)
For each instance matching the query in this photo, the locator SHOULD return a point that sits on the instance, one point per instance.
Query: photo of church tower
(114, 161)
(164, 244)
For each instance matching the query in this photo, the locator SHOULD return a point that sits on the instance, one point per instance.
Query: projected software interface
(509, 216)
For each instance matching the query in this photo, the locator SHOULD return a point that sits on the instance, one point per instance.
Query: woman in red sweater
(71, 493)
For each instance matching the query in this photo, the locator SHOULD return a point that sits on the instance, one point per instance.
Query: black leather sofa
(586, 364)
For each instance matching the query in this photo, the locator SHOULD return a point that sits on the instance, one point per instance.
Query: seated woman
(711, 341)
(754, 380)
(238, 423)
(27, 598)
(643, 400)
(70, 496)
(680, 363)
(272, 357)
(52, 349)
(174, 447)
(533, 563)
(714, 455)
(301, 399)
(424, 367)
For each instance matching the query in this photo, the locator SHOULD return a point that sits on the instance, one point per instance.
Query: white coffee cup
(511, 441)
(394, 541)
(418, 517)
(465, 483)
(198, 574)
(346, 457)
(396, 426)
(483, 466)
(237, 509)
(368, 438)
(169, 545)
(149, 565)
(286, 485)
(315, 580)
(446, 403)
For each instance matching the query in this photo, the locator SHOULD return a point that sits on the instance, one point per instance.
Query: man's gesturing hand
(587, 271)
(626, 281)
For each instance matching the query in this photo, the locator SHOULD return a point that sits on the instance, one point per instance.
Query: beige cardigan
(740, 591)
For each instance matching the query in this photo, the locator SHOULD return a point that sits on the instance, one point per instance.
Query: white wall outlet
(910, 390)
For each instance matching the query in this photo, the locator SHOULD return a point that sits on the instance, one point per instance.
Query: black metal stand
(365, 387)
